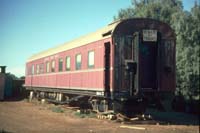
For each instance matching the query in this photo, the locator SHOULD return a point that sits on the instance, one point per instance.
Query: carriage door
(148, 60)
(107, 68)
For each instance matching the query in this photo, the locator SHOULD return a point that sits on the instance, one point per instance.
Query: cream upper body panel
(84, 40)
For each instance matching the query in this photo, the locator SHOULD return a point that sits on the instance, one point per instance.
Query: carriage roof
(83, 40)
(100, 34)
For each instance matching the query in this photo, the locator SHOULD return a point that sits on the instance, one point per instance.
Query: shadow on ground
(14, 98)
(174, 118)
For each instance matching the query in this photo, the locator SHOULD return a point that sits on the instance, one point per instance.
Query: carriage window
(60, 65)
(37, 69)
(128, 47)
(90, 59)
(78, 61)
(53, 66)
(41, 68)
(47, 67)
(168, 54)
(28, 70)
(67, 63)
(32, 71)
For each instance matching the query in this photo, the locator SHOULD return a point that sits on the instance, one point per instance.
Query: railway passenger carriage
(120, 67)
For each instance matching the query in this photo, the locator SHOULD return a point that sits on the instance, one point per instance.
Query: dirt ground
(23, 117)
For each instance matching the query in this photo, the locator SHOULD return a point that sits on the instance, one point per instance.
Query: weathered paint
(127, 28)
(93, 78)
(85, 78)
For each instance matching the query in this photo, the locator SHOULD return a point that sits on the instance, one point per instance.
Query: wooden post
(31, 96)
(60, 97)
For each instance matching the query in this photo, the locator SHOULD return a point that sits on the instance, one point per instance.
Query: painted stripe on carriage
(81, 88)
(70, 88)
(70, 72)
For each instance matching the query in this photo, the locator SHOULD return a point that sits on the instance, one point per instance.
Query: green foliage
(12, 76)
(156, 9)
(3, 131)
(57, 109)
(86, 114)
(187, 28)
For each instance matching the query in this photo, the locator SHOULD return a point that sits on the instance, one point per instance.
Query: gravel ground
(22, 116)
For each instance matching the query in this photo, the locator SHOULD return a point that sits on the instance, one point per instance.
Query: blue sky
(31, 26)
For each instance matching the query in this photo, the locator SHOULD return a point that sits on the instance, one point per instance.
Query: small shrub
(3, 131)
(57, 109)
(85, 114)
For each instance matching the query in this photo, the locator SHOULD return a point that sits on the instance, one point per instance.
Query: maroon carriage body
(124, 59)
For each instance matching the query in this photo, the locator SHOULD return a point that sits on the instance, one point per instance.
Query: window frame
(33, 69)
(41, 71)
(60, 64)
(37, 69)
(66, 63)
(91, 65)
(47, 66)
(53, 66)
(168, 47)
(28, 70)
(78, 66)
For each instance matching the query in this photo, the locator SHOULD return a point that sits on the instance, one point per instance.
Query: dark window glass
(41, 68)
(60, 65)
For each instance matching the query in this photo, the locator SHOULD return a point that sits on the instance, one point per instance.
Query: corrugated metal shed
(5, 86)
(92, 37)
(2, 85)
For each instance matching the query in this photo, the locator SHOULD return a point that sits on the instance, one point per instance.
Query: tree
(187, 28)
(157, 9)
